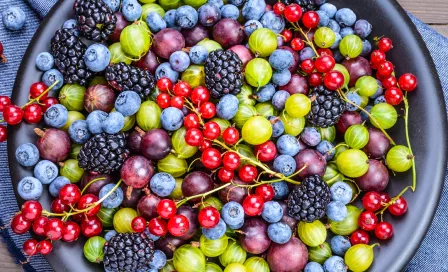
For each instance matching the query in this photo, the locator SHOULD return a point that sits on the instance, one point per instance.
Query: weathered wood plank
(429, 11)
(7, 262)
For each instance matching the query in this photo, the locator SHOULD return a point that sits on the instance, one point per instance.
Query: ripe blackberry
(104, 153)
(68, 51)
(326, 107)
(308, 201)
(96, 21)
(128, 252)
(306, 5)
(223, 73)
(125, 77)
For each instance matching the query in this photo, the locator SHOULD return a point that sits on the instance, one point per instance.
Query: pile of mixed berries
(197, 136)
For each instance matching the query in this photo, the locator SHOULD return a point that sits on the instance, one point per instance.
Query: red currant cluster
(178, 224)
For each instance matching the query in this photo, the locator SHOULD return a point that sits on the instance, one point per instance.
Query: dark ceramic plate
(427, 130)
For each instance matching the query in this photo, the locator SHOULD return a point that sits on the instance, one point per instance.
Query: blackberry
(68, 52)
(128, 252)
(308, 201)
(104, 153)
(306, 5)
(96, 21)
(326, 107)
(125, 77)
(223, 73)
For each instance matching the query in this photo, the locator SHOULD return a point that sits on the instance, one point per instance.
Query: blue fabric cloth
(431, 256)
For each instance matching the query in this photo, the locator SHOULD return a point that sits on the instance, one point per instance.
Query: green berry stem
(41, 95)
(185, 200)
(408, 141)
(273, 180)
(310, 43)
(193, 109)
(357, 188)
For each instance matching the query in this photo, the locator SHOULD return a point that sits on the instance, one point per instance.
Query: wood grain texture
(432, 12)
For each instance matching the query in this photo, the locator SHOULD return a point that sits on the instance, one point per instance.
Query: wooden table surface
(432, 12)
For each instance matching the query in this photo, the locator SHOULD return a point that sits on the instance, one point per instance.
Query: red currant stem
(392, 201)
(310, 43)
(273, 180)
(41, 95)
(191, 164)
(185, 200)
(374, 245)
(343, 97)
(140, 131)
(193, 109)
(408, 141)
(338, 145)
(357, 188)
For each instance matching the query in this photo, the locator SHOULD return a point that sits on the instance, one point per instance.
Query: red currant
(286, 35)
(377, 57)
(398, 207)
(48, 102)
(307, 66)
(408, 82)
(297, 44)
(166, 208)
(205, 144)
(225, 175)
(310, 19)
(253, 205)
(54, 228)
(248, 173)
(389, 82)
(385, 198)
(157, 226)
(39, 225)
(164, 84)
(292, 13)
(177, 102)
(191, 121)
(393, 96)
(278, 8)
(209, 217)
(30, 247)
(212, 130)
(178, 225)
(385, 44)
(70, 194)
(3, 58)
(4, 101)
(138, 224)
(367, 220)
(58, 207)
(371, 201)
(19, 225)
(207, 110)
(265, 191)
(315, 79)
(266, 152)
(88, 201)
(12, 114)
(37, 89)
(211, 158)
(194, 137)
(33, 113)
(325, 52)
(324, 64)
(384, 231)
(31, 210)
(3, 133)
(200, 95)
(182, 89)
(163, 100)
(359, 237)
(44, 247)
(231, 135)
(231, 161)
(71, 232)
(334, 80)
(385, 69)
(91, 226)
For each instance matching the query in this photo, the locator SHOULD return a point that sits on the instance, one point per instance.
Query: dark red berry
(212, 130)
(58, 207)
(12, 114)
(48, 102)
(377, 57)
(157, 226)
(39, 225)
(231, 135)
(398, 207)
(138, 224)
(211, 158)
(31, 210)
(231, 161)
(44, 247)
(310, 19)
(297, 44)
(225, 175)
(191, 121)
(163, 100)
(54, 228)
(307, 66)
(194, 137)
(359, 237)
(178, 225)
(3, 133)
(38, 89)
(367, 220)
(384, 231)
(334, 80)
(205, 144)
(91, 226)
(71, 232)
(324, 64)
(19, 224)
(248, 173)
(30, 247)
(265, 191)
(70, 194)
(33, 113)
(393, 96)
(164, 84)
(385, 69)
(266, 152)
(315, 79)
(200, 95)
(385, 44)
(166, 208)
(4, 101)
(390, 82)
(286, 35)
(292, 13)
(408, 82)
(372, 201)
(278, 8)
(253, 205)
(208, 110)
(177, 102)
(209, 217)
(88, 201)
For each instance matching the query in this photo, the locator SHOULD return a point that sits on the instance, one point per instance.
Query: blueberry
(14, 18)
(165, 70)
(310, 136)
(337, 55)
(162, 184)
(280, 41)
(114, 5)
(336, 211)
(363, 28)
(366, 48)
(198, 54)
(46, 171)
(319, 2)
(281, 78)
(380, 99)
(333, 25)
(281, 59)
(346, 31)
(324, 148)
(337, 41)
(254, 9)
(179, 61)
(288, 145)
(306, 53)
(216, 232)
(155, 22)
(110, 234)
(250, 26)
(285, 165)
(51, 76)
(150, 235)
(324, 19)
(158, 260)
(186, 17)
(113, 123)
(44, 61)
(230, 11)
(56, 116)
(330, 9)
(29, 188)
(70, 24)
(335, 264)
(218, 3)
(341, 191)
(277, 126)
(227, 107)
(313, 267)
(273, 21)
(340, 245)
(279, 99)
(114, 199)
(170, 18)
(209, 14)
(265, 93)
(354, 98)
(27, 154)
(79, 132)
(364, 116)
(128, 103)
(272, 212)
(236, 2)
(345, 17)
(232, 213)
(172, 119)
(132, 10)
(279, 233)
(57, 184)
(97, 57)
(281, 190)
(95, 121)
(237, 226)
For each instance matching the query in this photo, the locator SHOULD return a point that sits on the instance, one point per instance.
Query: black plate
(428, 129)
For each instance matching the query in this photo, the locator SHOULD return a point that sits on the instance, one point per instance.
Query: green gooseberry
(173, 165)
(341, 68)
(312, 234)
(117, 54)
(353, 163)
(234, 253)
(356, 136)
(98, 80)
(258, 72)
(244, 113)
(71, 96)
(351, 46)
(359, 257)
(123, 219)
(266, 109)
(135, 40)
(399, 158)
(74, 151)
(293, 125)
(213, 248)
(328, 134)
(256, 264)
(106, 216)
(148, 8)
(93, 249)
(183, 150)
(177, 193)
(148, 116)
(245, 97)
(320, 253)
(349, 224)
(384, 116)
(72, 117)
(71, 170)
(211, 201)
(212, 267)
(324, 37)
(188, 258)
(210, 45)
(194, 76)
(366, 86)
(262, 42)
